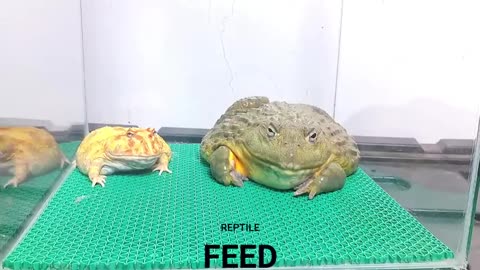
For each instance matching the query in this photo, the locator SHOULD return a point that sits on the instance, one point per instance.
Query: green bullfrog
(280, 145)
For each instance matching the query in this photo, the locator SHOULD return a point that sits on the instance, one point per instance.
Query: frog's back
(28, 134)
(231, 124)
(93, 145)
(34, 140)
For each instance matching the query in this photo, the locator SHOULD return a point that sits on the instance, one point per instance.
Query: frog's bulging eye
(130, 134)
(152, 130)
(312, 136)
(271, 132)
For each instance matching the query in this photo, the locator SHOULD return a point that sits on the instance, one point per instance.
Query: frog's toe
(162, 168)
(101, 179)
(237, 179)
(328, 180)
(12, 182)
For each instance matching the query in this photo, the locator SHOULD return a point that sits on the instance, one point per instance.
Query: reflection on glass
(31, 161)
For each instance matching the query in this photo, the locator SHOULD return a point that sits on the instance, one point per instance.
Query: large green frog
(280, 145)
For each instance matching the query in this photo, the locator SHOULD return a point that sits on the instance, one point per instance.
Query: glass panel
(416, 112)
(42, 116)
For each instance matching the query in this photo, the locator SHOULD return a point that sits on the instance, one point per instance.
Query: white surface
(40, 62)
(161, 63)
(410, 69)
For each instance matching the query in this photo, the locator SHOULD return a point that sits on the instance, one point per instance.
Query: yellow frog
(28, 151)
(115, 149)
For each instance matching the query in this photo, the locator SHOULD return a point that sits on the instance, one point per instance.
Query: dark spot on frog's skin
(336, 132)
(243, 120)
(341, 143)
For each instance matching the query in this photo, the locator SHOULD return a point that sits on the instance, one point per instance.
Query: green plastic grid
(17, 204)
(148, 221)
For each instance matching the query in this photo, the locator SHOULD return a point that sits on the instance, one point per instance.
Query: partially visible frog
(28, 151)
(108, 150)
(282, 146)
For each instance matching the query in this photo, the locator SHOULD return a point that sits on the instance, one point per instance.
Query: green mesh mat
(17, 204)
(149, 221)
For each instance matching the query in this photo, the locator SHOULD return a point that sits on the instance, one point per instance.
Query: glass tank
(239, 134)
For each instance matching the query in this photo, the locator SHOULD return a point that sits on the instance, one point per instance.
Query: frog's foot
(222, 166)
(162, 167)
(21, 173)
(12, 182)
(99, 179)
(332, 178)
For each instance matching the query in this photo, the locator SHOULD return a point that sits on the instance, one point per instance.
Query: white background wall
(181, 63)
(413, 67)
(41, 62)
(407, 68)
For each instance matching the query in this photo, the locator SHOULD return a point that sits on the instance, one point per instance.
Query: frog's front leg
(95, 173)
(222, 166)
(162, 164)
(328, 179)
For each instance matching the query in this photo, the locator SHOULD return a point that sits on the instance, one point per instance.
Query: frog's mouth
(288, 166)
(146, 158)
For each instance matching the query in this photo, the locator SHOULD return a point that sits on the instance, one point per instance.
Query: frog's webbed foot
(332, 178)
(222, 166)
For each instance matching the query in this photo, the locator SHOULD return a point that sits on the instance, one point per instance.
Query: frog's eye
(312, 136)
(130, 134)
(152, 130)
(271, 132)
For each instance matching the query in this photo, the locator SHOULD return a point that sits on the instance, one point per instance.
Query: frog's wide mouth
(284, 166)
(131, 157)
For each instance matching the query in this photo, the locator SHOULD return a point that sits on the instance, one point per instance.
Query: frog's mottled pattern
(26, 152)
(108, 150)
(280, 145)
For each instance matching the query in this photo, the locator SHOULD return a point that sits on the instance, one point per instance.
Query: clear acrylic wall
(41, 86)
(412, 65)
(400, 76)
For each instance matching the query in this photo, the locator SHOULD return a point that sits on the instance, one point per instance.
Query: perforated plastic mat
(150, 221)
(17, 204)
